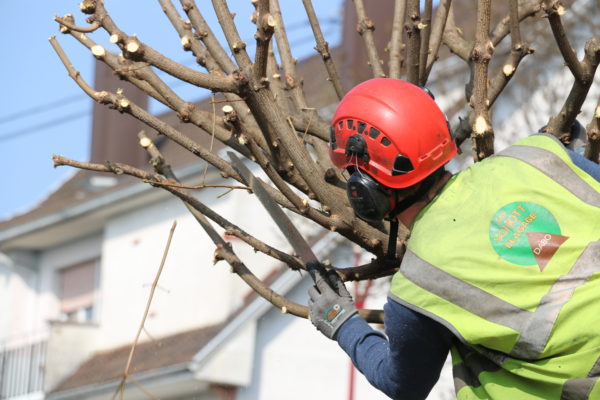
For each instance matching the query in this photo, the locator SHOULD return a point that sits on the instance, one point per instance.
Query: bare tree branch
(288, 63)
(527, 8)
(437, 31)
(593, 131)
(134, 49)
(236, 44)
(67, 24)
(123, 104)
(396, 45)
(425, 50)
(454, 40)
(265, 25)
(560, 125)
(204, 33)
(554, 9)
(365, 28)
(519, 49)
(323, 48)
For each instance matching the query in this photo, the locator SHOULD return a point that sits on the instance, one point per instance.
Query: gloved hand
(330, 302)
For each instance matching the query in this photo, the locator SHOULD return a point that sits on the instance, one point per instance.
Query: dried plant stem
(125, 377)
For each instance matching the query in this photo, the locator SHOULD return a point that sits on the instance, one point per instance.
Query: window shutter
(77, 289)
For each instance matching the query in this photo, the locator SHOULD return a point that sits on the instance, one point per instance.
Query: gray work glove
(330, 302)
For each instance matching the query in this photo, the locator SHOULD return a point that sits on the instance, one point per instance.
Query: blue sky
(43, 112)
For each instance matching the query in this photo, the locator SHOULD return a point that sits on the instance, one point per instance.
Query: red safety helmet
(392, 130)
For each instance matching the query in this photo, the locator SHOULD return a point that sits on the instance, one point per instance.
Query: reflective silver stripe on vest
(536, 331)
(554, 167)
(576, 389)
(534, 327)
(461, 293)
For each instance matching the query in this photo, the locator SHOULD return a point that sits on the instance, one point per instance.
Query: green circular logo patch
(525, 233)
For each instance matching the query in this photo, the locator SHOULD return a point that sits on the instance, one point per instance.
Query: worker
(501, 268)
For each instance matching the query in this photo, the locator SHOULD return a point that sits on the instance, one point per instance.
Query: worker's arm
(408, 364)
(590, 167)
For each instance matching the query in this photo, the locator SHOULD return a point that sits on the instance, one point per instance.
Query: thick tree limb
(413, 28)
(481, 56)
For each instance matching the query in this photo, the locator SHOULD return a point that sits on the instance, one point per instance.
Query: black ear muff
(368, 199)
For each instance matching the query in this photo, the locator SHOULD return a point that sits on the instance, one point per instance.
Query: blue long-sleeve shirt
(407, 363)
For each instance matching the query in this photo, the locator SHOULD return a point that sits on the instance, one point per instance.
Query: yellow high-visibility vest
(507, 257)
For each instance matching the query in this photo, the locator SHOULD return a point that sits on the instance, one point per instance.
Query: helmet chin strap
(400, 207)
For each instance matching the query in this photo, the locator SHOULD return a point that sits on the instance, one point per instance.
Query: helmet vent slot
(385, 141)
(374, 133)
(350, 124)
(402, 165)
(332, 139)
(361, 127)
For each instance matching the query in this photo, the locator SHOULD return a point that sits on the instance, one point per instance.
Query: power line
(41, 108)
(44, 125)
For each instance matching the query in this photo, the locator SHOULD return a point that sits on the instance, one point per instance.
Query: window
(77, 284)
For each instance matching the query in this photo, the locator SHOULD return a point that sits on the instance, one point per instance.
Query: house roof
(108, 366)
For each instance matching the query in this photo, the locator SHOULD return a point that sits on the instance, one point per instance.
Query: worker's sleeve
(408, 364)
(590, 167)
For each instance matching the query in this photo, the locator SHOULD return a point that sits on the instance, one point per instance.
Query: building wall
(192, 291)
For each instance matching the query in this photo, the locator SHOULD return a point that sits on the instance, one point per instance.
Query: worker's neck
(408, 216)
